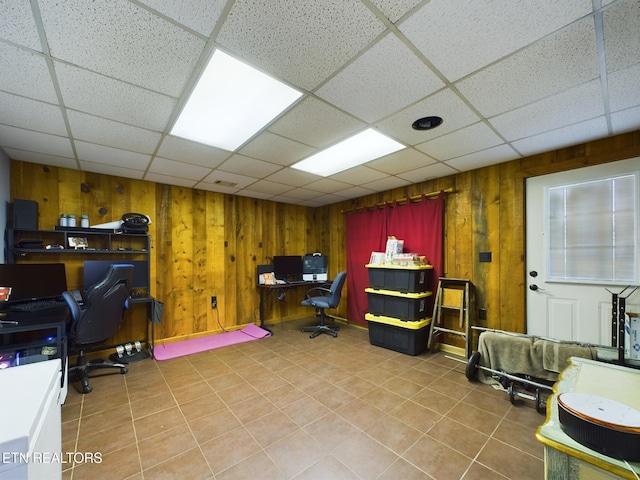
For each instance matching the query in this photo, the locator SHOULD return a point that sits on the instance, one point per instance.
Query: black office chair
(321, 298)
(98, 319)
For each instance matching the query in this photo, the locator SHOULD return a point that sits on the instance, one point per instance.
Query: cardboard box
(394, 246)
(405, 337)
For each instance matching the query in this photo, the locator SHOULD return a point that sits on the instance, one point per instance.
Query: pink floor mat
(196, 345)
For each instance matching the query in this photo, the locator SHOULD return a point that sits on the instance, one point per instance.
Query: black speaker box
(24, 214)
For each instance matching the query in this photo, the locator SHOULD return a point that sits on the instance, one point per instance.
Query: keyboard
(38, 305)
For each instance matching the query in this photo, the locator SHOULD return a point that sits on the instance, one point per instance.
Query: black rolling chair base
(81, 370)
(318, 329)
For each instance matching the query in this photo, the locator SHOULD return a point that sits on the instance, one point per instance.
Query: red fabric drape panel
(419, 224)
(365, 233)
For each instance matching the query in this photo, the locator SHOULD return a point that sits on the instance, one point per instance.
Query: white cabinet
(30, 421)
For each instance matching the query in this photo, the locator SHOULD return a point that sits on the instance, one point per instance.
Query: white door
(575, 310)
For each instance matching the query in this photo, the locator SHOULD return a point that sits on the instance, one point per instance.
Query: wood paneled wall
(208, 243)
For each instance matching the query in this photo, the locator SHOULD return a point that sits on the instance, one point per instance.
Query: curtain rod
(401, 201)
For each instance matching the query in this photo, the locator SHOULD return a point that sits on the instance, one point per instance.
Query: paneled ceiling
(96, 85)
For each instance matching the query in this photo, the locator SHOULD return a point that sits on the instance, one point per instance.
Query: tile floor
(289, 407)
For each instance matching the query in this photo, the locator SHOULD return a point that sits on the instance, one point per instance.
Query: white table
(30, 421)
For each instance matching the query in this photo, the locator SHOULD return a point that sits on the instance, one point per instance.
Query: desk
(564, 458)
(46, 323)
(151, 307)
(264, 290)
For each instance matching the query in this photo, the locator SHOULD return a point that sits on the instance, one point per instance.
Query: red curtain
(365, 232)
(419, 224)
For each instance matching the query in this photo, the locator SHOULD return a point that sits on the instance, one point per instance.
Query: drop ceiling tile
(326, 185)
(315, 123)
(199, 15)
(240, 181)
(625, 120)
(276, 149)
(301, 42)
(387, 183)
(25, 73)
(42, 158)
(121, 40)
(363, 87)
(285, 199)
(461, 142)
(170, 180)
(358, 175)
(18, 138)
(395, 9)
(90, 152)
(624, 88)
(490, 156)
(401, 161)
(621, 25)
(552, 65)
(563, 137)
(326, 199)
(112, 134)
(292, 177)
(164, 166)
(565, 108)
(182, 150)
(213, 187)
(117, 100)
(258, 195)
(244, 165)
(355, 192)
(31, 114)
(446, 104)
(315, 203)
(18, 25)
(265, 186)
(114, 170)
(422, 174)
(481, 32)
(303, 194)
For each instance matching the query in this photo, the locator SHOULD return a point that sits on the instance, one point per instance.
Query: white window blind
(593, 231)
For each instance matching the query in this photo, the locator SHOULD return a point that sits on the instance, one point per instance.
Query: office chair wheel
(124, 370)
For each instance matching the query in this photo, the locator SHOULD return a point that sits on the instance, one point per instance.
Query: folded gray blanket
(523, 354)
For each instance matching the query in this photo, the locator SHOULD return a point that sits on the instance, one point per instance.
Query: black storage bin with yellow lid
(395, 334)
(405, 306)
(412, 278)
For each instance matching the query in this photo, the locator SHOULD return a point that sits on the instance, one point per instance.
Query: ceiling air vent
(225, 184)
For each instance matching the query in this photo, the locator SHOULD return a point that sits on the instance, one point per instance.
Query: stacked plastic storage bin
(398, 307)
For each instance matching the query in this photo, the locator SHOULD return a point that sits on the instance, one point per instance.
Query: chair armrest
(316, 289)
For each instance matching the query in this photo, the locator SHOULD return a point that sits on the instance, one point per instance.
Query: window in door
(593, 231)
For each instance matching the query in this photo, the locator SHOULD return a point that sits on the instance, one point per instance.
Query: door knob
(535, 287)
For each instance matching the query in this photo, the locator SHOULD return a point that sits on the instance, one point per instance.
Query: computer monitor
(95, 270)
(314, 268)
(287, 267)
(29, 281)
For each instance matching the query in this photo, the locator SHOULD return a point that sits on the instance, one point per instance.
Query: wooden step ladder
(453, 294)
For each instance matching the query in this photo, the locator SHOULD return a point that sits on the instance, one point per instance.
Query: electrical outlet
(482, 314)
(214, 302)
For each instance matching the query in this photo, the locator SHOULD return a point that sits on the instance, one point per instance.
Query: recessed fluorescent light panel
(230, 103)
(359, 149)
